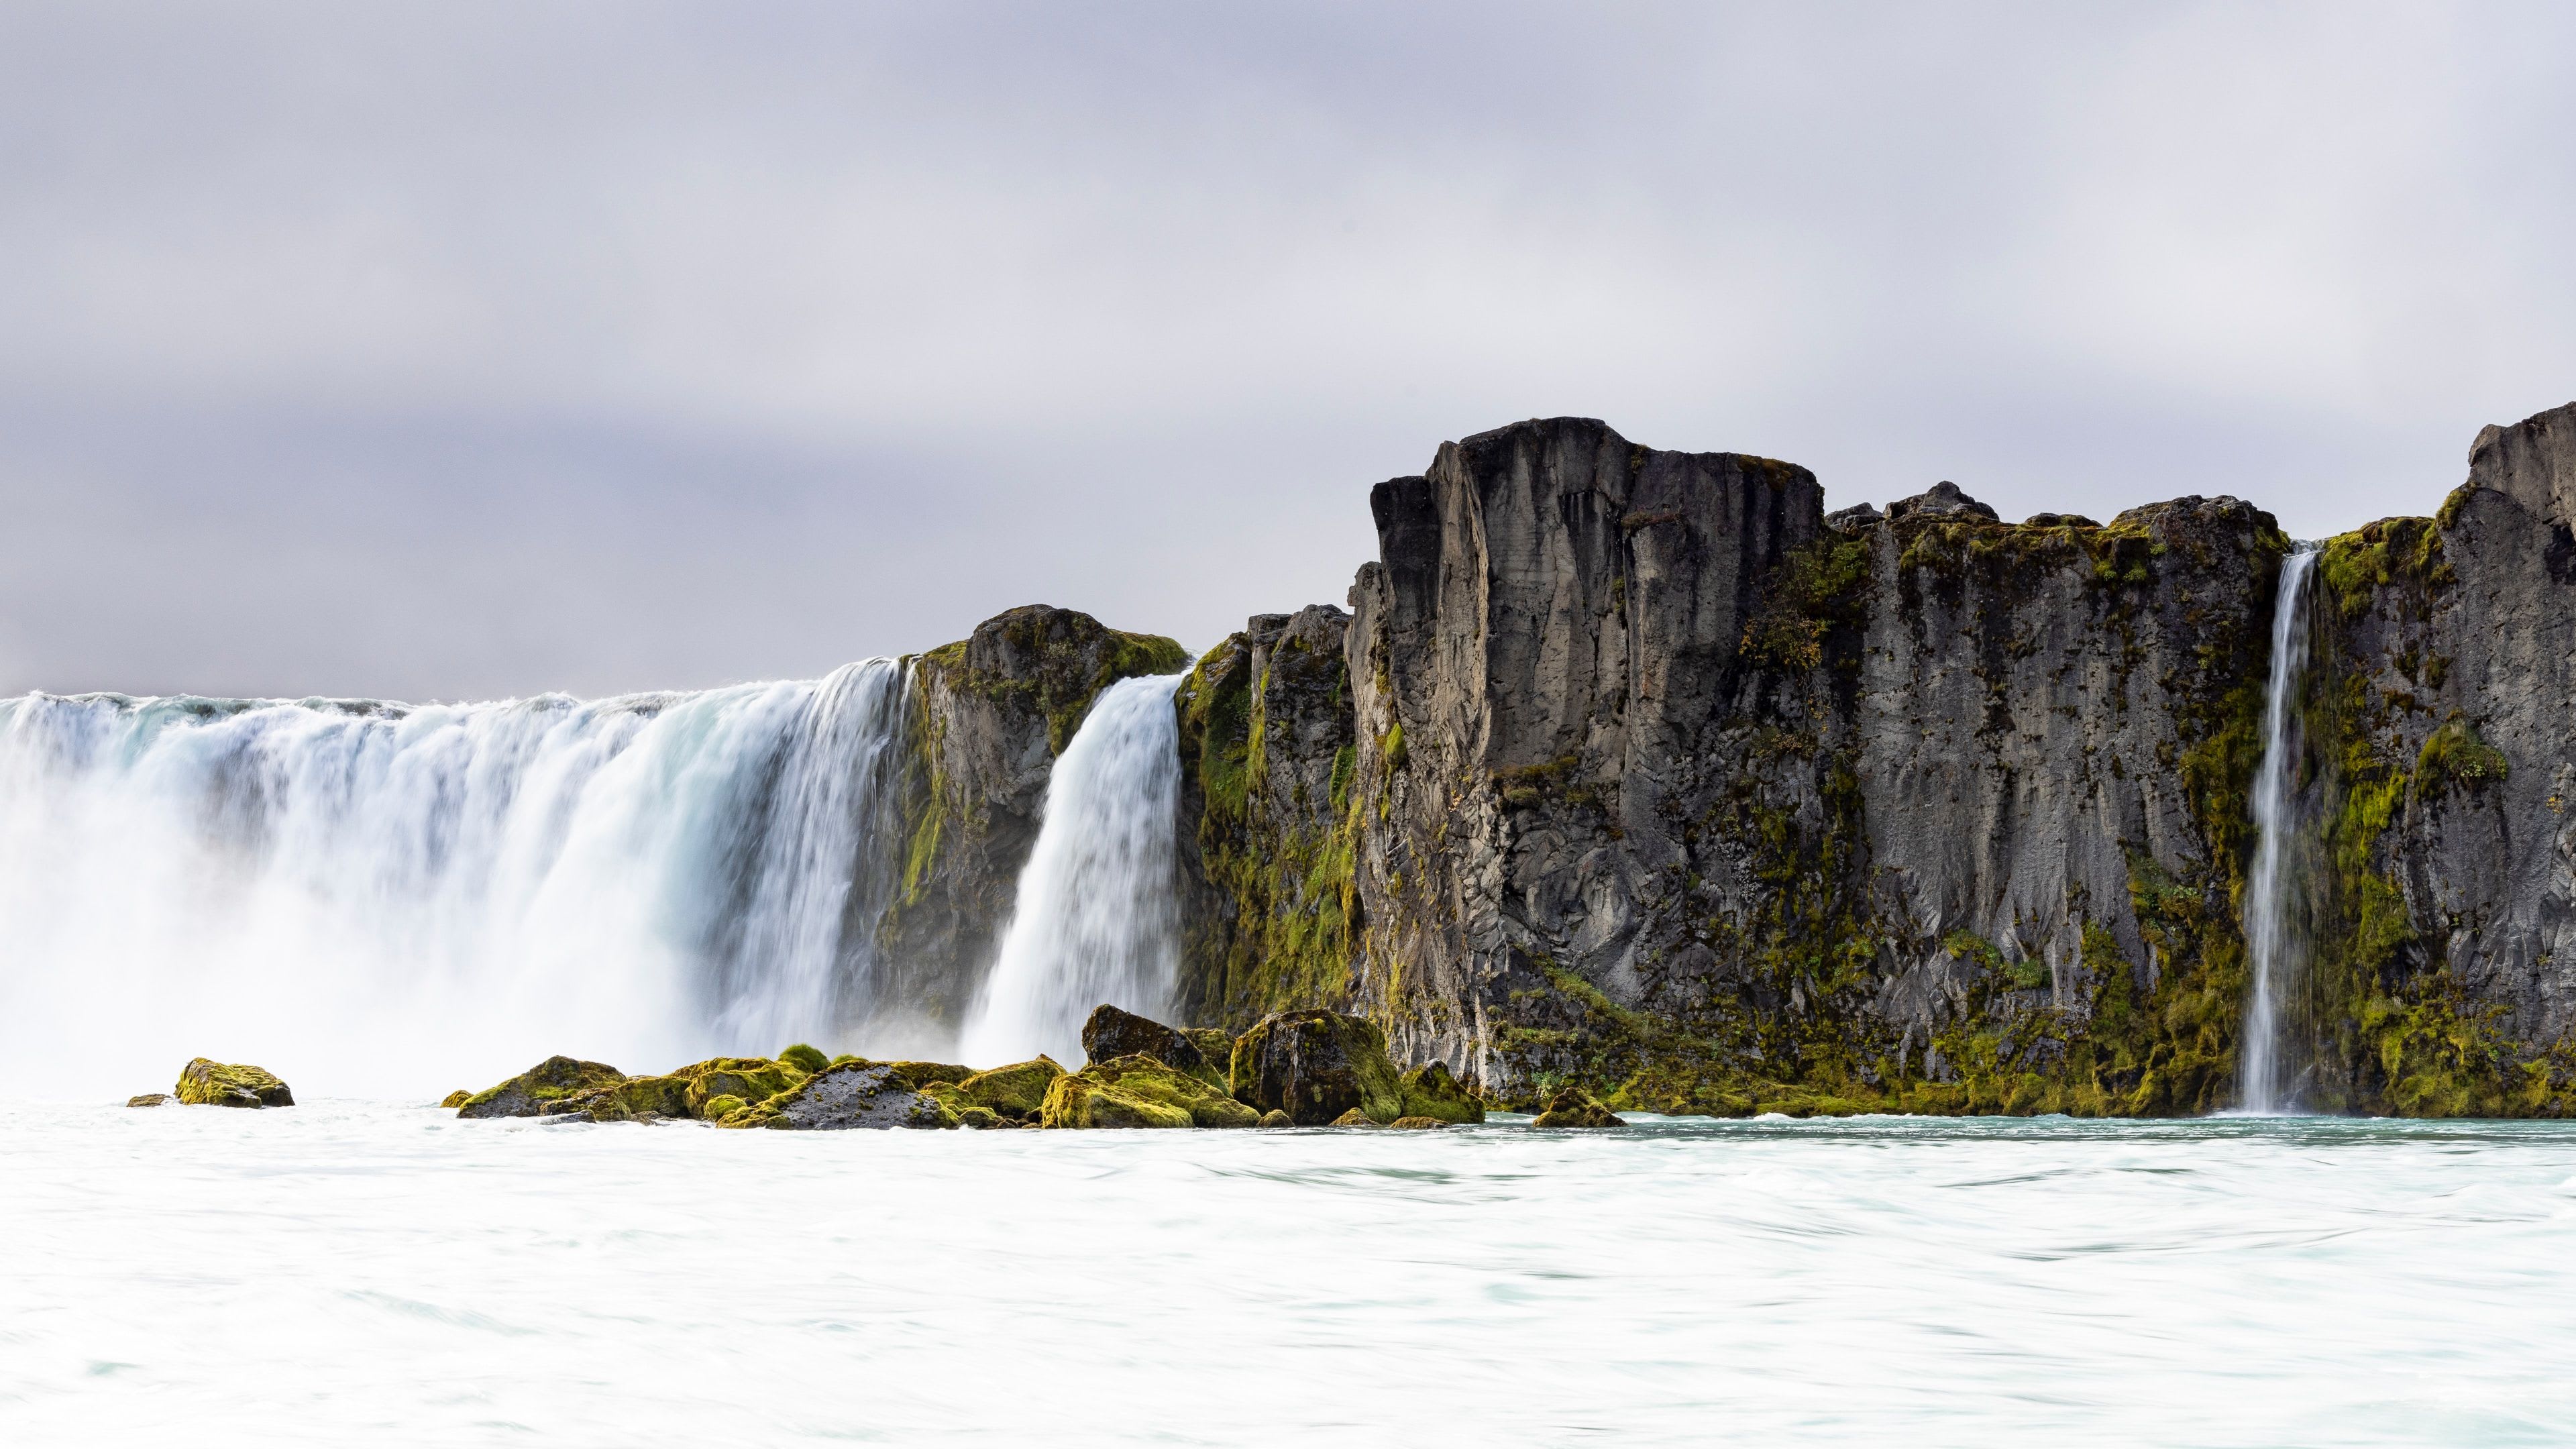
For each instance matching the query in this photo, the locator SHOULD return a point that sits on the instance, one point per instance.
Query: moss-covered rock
(850, 1095)
(205, 1083)
(1316, 1066)
(1276, 1119)
(1017, 1091)
(1574, 1107)
(1079, 1101)
(1140, 1091)
(923, 1074)
(804, 1058)
(719, 1108)
(551, 1080)
(456, 1099)
(1420, 1124)
(1430, 1091)
(148, 1099)
(754, 1079)
(1355, 1118)
(637, 1099)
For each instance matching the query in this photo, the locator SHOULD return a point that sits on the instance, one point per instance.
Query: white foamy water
(347, 1273)
(1095, 919)
(396, 898)
(2275, 937)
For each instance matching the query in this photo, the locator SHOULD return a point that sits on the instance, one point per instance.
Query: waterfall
(1095, 919)
(376, 897)
(2275, 925)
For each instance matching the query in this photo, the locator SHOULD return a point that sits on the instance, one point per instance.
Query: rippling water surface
(359, 1273)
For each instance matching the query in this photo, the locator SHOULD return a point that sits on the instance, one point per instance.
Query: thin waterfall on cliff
(2275, 925)
(413, 898)
(1095, 919)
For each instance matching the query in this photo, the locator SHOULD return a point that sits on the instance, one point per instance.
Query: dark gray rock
(1317, 1066)
(1110, 1033)
(851, 1095)
(1940, 499)
(532, 1092)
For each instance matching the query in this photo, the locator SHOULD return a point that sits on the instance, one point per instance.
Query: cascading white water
(380, 898)
(1095, 919)
(2275, 943)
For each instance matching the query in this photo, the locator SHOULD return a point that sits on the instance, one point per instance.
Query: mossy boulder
(806, 1059)
(637, 1099)
(1357, 1118)
(456, 1099)
(1432, 1092)
(1140, 1091)
(754, 1079)
(1316, 1066)
(148, 1099)
(204, 1083)
(551, 1080)
(719, 1108)
(1574, 1107)
(1420, 1124)
(1214, 1043)
(849, 1095)
(1017, 1091)
(922, 1074)
(1111, 1033)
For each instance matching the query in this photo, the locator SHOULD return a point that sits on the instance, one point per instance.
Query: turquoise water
(352, 1272)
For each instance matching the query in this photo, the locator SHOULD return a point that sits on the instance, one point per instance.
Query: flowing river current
(362, 1273)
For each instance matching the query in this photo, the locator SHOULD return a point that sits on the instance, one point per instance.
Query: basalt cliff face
(1639, 772)
(989, 715)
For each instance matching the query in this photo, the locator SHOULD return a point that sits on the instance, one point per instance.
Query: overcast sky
(457, 350)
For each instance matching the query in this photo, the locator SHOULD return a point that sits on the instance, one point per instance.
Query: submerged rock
(1317, 1066)
(551, 1080)
(1431, 1092)
(206, 1083)
(1574, 1107)
(148, 1099)
(1356, 1118)
(848, 1095)
(1112, 1033)
(1419, 1124)
(1140, 1091)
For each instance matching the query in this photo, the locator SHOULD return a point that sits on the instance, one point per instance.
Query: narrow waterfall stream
(2275, 926)
(403, 898)
(1095, 919)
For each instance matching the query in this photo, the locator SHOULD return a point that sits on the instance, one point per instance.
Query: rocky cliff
(1679, 790)
(2439, 759)
(1637, 772)
(990, 714)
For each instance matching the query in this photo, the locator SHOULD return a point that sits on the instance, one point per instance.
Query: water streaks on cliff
(2275, 918)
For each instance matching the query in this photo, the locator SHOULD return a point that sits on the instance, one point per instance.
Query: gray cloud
(468, 349)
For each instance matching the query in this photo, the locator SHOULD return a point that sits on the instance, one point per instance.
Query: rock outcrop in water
(204, 1083)
(992, 713)
(1656, 781)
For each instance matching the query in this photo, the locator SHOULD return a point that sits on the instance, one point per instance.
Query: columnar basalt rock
(1673, 788)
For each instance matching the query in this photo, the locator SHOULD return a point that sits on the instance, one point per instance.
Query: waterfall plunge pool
(358, 1272)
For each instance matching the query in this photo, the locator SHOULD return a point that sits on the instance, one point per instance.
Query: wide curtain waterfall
(1096, 920)
(377, 897)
